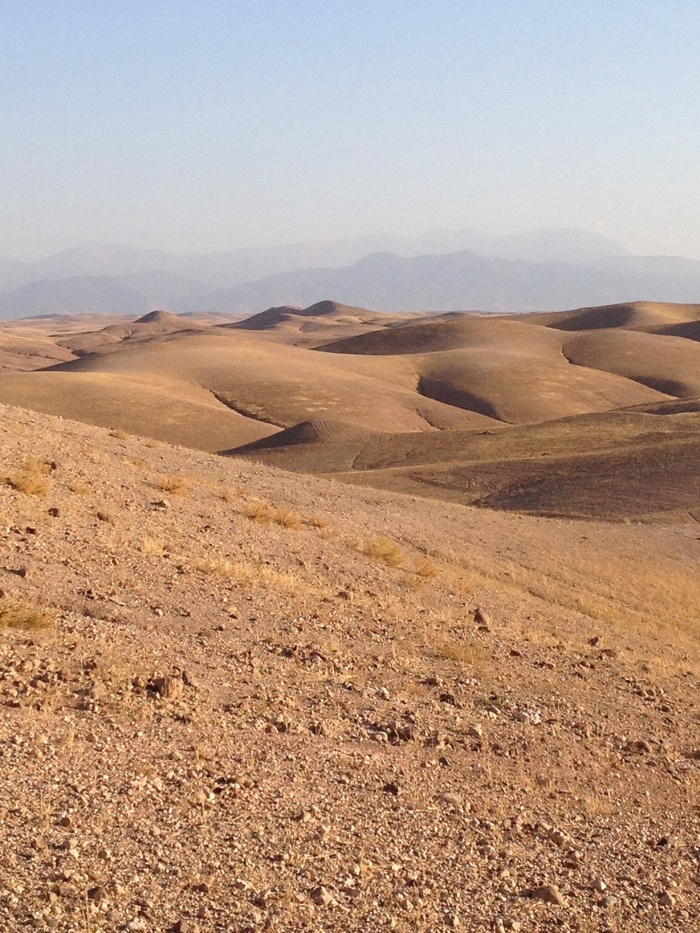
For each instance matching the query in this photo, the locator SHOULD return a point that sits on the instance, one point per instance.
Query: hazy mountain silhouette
(540, 270)
(218, 270)
(464, 281)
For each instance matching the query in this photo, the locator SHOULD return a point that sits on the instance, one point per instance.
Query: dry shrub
(155, 548)
(151, 442)
(228, 495)
(424, 568)
(244, 572)
(259, 512)
(463, 652)
(287, 518)
(266, 514)
(25, 617)
(386, 550)
(32, 479)
(175, 485)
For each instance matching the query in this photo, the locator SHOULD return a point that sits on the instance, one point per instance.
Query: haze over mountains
(438, 271)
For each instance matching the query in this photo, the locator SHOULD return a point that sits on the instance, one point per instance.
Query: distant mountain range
(438, 271)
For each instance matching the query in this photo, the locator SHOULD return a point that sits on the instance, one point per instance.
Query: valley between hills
(331, 619)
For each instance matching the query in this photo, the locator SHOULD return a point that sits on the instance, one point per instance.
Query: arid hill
(555, 414)
(236, 698)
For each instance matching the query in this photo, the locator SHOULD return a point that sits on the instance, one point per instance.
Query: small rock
(183, 926)
(137, 923)
(482, 619)
(321, 896)
(453, 800)
(170, 688)
(548, 893)
(599, 885)
(475, 731)
(610, 901)
(533, 716)
(666, 899)
(66, 889)
(392, 788)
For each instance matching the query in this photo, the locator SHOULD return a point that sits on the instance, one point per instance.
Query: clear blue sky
(202, 126)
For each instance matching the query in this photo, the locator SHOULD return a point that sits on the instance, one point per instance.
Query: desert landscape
(330, 619)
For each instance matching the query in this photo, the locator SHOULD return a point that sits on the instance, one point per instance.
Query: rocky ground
(236, 700)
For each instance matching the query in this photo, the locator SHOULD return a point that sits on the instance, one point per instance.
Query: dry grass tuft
(32, 479)
(25, 618)
(265, 514)
(424, 568)
(245, 572)
(175, 485)
(119, 433)
(386, 550)
(155, 548)
(259, 512)
(228, 495)
(287, 518)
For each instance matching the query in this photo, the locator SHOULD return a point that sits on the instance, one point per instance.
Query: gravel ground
(233, 699)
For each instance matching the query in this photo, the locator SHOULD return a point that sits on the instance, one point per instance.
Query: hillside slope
(234, 698)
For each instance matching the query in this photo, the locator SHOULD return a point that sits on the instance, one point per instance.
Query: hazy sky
(202, 126)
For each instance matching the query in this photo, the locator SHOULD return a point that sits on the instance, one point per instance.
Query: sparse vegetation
(119, 433)
(26, 618)
(154, 547)
(266, 514)
(425, 568)
(386, 550)
(173, 484)
(361, 692)
(287, 518)
(32, 479)
(257, 511)
(251, 573)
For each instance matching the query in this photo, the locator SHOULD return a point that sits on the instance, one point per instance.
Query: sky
(212, 125)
